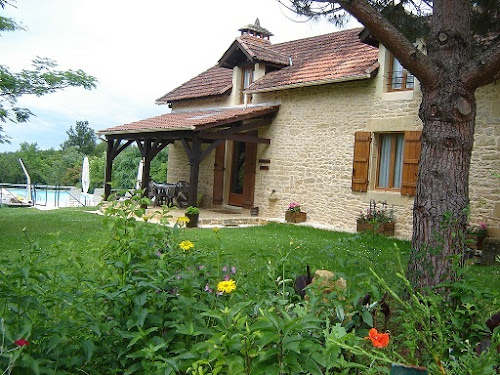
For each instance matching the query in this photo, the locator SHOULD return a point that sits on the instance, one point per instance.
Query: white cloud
(137, 50)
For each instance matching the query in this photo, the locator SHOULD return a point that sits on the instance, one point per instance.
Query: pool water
(44, 197)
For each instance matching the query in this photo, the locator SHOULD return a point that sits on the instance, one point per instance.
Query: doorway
(242, 178)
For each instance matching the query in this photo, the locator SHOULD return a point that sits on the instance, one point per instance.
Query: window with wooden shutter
(361, 161)
(411, 158)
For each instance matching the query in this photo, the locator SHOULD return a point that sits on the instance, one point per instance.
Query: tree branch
(408, 55)
(482, 70)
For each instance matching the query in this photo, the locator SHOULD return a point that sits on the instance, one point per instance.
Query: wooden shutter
(361, 161)
(411, 158)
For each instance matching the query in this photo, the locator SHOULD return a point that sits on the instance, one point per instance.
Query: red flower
(379, 340)
(21, 342)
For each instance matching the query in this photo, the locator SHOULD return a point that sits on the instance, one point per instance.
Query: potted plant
(376, 219)
(192, 213)
(294, 214)
(476, 235)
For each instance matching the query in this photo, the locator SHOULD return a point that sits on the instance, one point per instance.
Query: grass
(250, 248)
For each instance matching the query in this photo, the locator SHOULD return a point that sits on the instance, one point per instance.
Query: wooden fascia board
(165, 135)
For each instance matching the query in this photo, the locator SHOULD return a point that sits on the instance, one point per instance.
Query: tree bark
(448, 112)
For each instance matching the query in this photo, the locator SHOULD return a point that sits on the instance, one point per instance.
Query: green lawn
(247, 248)
(90, 294)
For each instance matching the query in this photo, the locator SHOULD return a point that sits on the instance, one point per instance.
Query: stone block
(491, 250)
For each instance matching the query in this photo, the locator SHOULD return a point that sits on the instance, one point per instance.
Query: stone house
(329, 121)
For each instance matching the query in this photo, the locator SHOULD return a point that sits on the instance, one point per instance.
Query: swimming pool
(46, 196)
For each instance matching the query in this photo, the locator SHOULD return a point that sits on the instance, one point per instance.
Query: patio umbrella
(85, 176)
(140, 171)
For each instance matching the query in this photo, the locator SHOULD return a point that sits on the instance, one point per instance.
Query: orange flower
(379, 340)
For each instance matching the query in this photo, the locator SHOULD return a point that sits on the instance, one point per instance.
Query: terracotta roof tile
(261, 51)
(336, 56)
(333, 56)
(192, 119)
(212, 82)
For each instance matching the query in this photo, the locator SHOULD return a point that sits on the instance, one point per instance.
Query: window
(247, 79)
(390, 161)
(399, 77)
(396, 157)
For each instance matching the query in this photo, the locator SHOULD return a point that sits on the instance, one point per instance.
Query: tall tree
(42, 79)
(462, 53)
(82, 137)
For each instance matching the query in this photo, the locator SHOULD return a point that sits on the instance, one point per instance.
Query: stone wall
(178, 170)
(311, 153)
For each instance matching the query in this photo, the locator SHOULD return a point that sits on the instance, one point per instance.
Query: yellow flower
(226, 286)
(186, 245)
(183, 220)
(215, 229)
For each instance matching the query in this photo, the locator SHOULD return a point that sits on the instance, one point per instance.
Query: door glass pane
(398, 161)
(238, 168)
(385, 160)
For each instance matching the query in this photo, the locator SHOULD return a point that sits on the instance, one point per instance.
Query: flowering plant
(481, 230)
(293, 207)
(378, 214)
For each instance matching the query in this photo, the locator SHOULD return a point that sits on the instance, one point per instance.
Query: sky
(137, 50)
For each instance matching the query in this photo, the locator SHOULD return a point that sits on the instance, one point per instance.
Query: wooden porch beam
(239, 138)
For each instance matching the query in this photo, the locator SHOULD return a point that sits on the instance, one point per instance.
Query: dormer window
(246, 80)
(247, 76)
(399, 78)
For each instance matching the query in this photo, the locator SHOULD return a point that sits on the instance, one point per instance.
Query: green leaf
(269, 337)
(88, 348)
(367, 318)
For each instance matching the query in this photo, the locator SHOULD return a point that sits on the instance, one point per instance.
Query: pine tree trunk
(448, 112)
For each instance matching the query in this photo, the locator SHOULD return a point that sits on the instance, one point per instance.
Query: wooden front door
(242, 181)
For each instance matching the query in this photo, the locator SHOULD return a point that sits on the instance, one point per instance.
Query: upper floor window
(399, 77)
(246, 81)
(247, 76)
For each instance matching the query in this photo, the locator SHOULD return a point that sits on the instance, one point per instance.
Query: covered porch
(200, 132)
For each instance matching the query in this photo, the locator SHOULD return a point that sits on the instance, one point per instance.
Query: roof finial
(256, 30)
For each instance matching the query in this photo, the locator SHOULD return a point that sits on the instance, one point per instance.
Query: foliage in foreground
(156, 308)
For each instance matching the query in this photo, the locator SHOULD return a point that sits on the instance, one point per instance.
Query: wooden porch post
(114, 148)
(109, 169)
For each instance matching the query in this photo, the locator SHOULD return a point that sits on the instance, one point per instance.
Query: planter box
(386, 229)
(295, 217)
(473, 241)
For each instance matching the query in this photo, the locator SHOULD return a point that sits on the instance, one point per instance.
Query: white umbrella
(140, 172)
(85, 176)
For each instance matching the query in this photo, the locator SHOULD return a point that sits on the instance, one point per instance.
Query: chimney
(256, 30)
